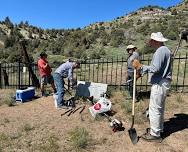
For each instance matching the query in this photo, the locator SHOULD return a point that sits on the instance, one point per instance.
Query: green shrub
(147, 50)
(9, 100)
(172, 35)
(79, 138)
(27, 128)
(127, 106)
(48, 144)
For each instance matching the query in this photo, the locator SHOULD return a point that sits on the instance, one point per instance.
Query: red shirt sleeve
(44, 71)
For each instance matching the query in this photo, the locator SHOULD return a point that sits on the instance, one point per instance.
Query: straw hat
(130, 47)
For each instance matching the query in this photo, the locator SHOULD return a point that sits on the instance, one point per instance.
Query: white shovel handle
(134, 92)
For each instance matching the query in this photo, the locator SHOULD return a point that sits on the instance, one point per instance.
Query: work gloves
(137, 65)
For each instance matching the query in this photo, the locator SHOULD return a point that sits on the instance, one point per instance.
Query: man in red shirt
(45, 73)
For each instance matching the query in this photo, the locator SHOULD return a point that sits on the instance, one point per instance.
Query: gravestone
(88, 89)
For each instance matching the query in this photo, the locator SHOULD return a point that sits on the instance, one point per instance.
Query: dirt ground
(38, 126)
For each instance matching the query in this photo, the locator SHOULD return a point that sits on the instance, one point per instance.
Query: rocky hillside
(96, 40)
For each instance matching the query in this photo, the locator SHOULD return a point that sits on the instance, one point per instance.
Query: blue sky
(72, 13)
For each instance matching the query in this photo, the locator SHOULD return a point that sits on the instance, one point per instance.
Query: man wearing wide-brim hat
(132, 55)
(160, 76)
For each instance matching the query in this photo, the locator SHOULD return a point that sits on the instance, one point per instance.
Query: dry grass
(79, 138)
(5, 141)
(37, 126)
(49, 144)
(27, 127)
(179, 98)
(8, 98)
(127, 107)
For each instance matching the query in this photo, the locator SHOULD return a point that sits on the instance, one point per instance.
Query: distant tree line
(89, 42)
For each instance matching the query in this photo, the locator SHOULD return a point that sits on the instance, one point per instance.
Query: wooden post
(34, 78)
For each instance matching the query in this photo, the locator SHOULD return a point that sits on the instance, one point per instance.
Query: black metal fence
(113, 72)
(109, 71)
(16, 75)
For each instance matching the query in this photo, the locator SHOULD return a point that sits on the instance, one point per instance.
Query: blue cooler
(27, 94)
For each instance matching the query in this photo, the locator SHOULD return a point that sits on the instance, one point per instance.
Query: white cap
(158, 37)
(131, 46)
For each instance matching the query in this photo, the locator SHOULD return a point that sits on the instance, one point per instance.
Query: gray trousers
(157, 106)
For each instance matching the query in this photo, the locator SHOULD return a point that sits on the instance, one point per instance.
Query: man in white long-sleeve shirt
(65, 70)
(160, 76)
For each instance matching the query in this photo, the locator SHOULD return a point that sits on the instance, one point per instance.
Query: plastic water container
(26, 94)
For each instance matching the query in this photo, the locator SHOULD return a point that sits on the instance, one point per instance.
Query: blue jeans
(59, 83)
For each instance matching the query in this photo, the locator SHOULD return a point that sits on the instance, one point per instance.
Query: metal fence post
(185, 67)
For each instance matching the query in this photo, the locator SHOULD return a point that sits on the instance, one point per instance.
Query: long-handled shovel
(132, 131)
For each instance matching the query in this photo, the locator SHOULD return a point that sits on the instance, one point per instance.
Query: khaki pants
(157, 106)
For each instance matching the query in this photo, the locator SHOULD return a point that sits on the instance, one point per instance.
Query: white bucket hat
(131, 47)
(158, 37)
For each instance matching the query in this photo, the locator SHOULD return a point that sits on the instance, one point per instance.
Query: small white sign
(24, 69)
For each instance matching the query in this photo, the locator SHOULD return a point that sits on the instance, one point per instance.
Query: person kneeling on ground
(160, 76)
(65, 70)
(45, 73)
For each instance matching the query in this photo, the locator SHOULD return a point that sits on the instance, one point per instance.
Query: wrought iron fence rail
(109, 71)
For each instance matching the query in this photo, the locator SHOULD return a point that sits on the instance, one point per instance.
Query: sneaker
(148, 130)
(150, 138)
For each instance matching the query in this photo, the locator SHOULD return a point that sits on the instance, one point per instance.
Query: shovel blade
(133, 135)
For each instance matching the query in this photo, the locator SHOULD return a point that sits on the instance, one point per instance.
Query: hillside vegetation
(102, 39)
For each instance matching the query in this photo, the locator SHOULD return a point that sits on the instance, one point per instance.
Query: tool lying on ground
(66, 112)
(132, 131)
(73, 110)
(115, 124)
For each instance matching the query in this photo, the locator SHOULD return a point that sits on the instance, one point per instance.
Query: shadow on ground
(177, 123)
(141, 95)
